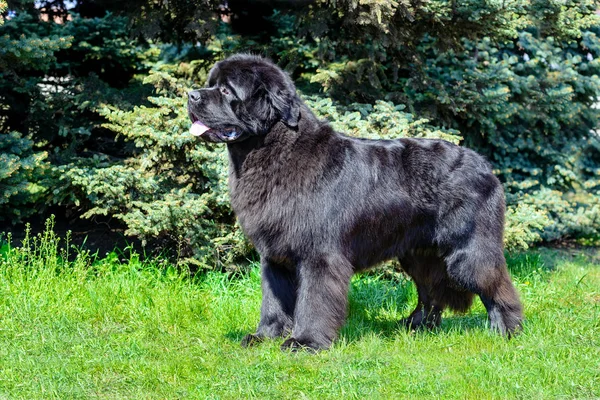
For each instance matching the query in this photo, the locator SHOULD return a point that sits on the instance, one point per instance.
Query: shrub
(173, 188)
(23, 175)
(518, 80)
(24, 171)
(3, 7)
(53, 77)
(514, 80)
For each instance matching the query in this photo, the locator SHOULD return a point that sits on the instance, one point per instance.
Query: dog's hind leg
(428, 312)
(504, 309)
(435, 289)
(470, 233)
(488, 277)
(279, 297)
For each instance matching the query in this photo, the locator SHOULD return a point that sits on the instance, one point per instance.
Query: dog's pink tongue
(198, 128)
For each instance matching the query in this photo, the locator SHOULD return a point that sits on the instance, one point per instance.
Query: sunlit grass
(117, 328)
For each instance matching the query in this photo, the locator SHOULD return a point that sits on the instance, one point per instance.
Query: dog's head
(245, 95)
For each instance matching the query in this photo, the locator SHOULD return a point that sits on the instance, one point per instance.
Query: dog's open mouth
(198, 128)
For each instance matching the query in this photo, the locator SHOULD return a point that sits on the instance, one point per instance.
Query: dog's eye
(224, 91)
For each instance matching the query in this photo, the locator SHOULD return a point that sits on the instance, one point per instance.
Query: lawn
(115, 328)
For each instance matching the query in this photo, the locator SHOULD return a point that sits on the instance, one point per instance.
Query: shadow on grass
(236, 335)
(361, 323)
(377, 304)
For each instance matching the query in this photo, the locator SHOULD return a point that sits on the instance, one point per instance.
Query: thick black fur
(319, 206)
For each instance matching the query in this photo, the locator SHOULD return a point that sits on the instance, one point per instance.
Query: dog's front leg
(321, 304)
(279, 297)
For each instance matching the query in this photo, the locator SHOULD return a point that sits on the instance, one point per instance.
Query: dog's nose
(194, 96)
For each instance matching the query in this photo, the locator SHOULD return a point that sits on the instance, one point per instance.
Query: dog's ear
(292, 117)
(287, 104)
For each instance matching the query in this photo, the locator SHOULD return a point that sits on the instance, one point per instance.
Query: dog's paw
(294, 345)
(416, 321)
(251, 340)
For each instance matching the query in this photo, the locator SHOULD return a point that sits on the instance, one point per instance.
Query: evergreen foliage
(23, 177)
(172, 188)
(23, 170)
(53, 77)
(516, 80)
(529, 107)
(3, 6)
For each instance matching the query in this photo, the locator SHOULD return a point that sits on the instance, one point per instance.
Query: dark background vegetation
(93, 125)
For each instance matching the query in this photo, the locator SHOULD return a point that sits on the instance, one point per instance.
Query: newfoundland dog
(320, 205)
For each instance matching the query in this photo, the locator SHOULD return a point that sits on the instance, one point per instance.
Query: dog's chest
(260, 197)
(264, 181)
(273, 192)
(272, 209)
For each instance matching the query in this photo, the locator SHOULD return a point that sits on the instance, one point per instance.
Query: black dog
(319, 206)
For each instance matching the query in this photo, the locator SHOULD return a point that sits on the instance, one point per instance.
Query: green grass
(127, 329)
